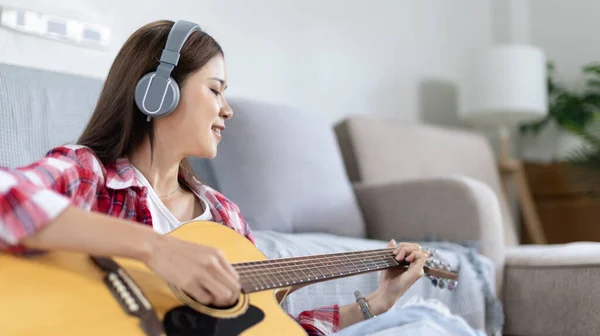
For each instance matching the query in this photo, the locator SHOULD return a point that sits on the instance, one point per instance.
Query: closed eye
(217, 93)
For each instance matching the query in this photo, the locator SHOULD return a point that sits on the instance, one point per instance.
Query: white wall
(568, 33)
(404, 59)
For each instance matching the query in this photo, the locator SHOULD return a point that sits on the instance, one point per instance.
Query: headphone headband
(177, 36)
(157, 93)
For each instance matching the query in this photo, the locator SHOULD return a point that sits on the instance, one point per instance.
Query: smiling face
(194, 127)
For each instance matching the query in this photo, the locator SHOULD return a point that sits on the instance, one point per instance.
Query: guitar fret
(253, 280)
(313, 265)
(335, 265)
(362, 260)
(257, 276)
(330, 267)
(344, 264)
(264, 276)
(319, 269)
(291, 277)
(296, 269)
(308, 270)
(351, 260)
(366, 266)
(275, 273)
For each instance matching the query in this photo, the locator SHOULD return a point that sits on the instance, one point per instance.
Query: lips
(217, 129)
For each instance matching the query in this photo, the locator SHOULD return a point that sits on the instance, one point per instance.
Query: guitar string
(271, 281)
(293, 262)
(249, 285)
(268, 273)
(269, 263)
(274, 278)
(276, 271)
(308, 264)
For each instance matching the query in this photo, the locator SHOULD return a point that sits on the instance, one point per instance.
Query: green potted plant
(571, 113)
(564, 176)
(583, 164)
(576, 114)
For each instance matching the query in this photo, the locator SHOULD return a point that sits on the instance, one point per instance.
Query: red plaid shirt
(33, 195)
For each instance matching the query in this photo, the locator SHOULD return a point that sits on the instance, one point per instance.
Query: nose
(226, 111)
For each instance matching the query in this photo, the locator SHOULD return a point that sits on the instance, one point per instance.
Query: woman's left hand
(394, 282)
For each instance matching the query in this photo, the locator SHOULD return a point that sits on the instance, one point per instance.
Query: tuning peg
(452, 284)
(434, 280)
(430, 251)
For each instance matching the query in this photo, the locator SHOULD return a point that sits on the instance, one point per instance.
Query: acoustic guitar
(73, 294)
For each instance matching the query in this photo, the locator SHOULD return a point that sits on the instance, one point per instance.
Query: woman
(130, 166)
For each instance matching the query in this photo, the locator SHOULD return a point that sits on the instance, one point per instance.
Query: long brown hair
(117, 126)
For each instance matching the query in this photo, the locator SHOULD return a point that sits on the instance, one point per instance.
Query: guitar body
(61, 293)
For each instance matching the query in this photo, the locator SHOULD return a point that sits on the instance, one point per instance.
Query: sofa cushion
(284, 170)
(551, 290)
(40, 110)
(408, 151)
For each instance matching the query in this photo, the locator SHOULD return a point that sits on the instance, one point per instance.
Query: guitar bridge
(122, 293)
(129, 295)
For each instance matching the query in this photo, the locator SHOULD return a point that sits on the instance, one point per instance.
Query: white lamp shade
(507, 86)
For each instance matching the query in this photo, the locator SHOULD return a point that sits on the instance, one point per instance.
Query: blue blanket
(417, 317)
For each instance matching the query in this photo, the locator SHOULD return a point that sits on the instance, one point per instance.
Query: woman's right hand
(200, 271)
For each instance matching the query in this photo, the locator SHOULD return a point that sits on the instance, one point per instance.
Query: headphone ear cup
(158, 99)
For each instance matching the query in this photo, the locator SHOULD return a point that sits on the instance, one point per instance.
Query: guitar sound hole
(212, 306)
(222, 307)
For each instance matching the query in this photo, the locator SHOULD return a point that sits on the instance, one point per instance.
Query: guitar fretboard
(284, 272)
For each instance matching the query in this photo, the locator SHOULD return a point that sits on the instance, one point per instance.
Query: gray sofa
(295, 181)
(545, 290)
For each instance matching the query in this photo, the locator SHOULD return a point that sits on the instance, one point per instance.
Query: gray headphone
(157, 94)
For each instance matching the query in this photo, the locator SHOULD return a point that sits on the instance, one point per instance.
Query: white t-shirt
(163, 220)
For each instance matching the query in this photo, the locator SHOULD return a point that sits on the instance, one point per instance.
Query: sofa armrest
(552, 289)
(455, 209)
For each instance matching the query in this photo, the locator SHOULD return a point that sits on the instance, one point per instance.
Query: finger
(228, 267)
(418, 266)
(411, 256)
(224, 277)
(401, 254)
(228, 281)
(416, 246)
(222, 295)
(416, 255)
(397, 248)
(410, 247)
(226, 273)
(404, 244)
(200, 295)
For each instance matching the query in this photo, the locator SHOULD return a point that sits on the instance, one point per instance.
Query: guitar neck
(285, 272)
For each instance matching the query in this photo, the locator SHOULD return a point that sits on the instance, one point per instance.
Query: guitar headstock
(439, 271)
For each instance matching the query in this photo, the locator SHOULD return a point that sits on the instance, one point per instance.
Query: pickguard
(185, 321)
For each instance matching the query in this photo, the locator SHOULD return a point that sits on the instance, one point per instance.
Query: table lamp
(508, 87)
